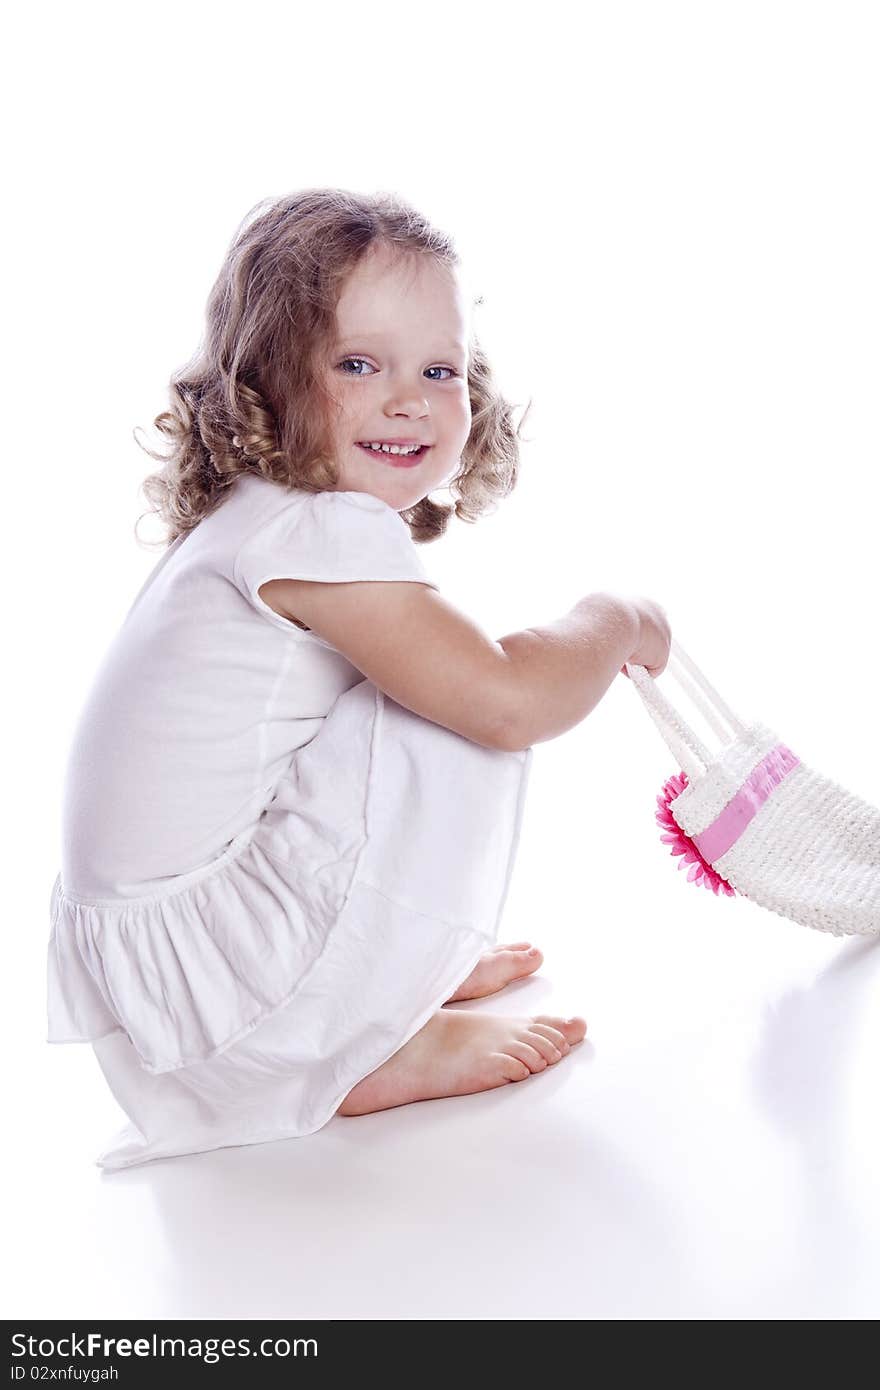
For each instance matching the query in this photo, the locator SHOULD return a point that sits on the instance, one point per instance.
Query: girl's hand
(655, 638)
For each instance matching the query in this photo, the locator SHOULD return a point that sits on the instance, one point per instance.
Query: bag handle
(676, 732)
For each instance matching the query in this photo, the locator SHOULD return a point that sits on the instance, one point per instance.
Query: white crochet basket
(768, 826)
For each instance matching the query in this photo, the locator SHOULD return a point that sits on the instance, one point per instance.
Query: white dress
(272, 873)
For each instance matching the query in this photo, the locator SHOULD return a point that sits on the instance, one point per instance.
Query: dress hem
(302, 1131)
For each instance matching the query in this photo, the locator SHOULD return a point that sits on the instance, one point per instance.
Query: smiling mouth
(396, 460)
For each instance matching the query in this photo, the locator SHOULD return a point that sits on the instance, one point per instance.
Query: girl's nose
(406, 398)
(409, 401)
(409, 406)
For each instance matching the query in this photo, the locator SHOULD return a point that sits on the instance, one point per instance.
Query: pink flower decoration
(701, 870)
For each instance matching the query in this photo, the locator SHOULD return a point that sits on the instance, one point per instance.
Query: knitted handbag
(755, 820)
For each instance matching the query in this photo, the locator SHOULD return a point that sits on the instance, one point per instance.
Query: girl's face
(398, 370)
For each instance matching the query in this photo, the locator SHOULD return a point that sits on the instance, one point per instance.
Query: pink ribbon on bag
(726, 829)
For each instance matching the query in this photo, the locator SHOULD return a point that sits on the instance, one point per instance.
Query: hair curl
(252, 398)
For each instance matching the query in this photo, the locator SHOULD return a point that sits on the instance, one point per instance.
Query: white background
(672, 213)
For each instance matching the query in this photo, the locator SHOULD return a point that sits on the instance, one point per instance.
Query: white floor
(709, 1152)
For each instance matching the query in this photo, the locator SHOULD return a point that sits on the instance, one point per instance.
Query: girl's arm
(430, 657)
(561, 670)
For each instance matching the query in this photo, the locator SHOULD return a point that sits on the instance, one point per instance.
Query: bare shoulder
(413, 644)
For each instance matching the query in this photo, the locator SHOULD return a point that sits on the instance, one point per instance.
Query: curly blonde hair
(252, 399)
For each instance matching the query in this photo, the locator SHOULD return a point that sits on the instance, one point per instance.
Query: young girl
(294, 794)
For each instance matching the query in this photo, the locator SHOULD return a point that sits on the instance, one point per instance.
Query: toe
(512, 1067)
(573, 1029)
(513, 946)
(547, 1048)
(521, 962)
(525, 1052)
(553, 1035)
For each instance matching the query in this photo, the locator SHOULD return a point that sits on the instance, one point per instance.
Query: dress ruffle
(389, 842)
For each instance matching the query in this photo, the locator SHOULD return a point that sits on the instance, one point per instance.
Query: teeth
(393, 448)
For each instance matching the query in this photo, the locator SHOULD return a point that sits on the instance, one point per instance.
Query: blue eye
(363, 360)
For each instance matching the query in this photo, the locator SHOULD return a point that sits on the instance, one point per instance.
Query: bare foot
(458, 1052)
(496, 968)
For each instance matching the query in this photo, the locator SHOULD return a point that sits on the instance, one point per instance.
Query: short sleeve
(330, 537)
